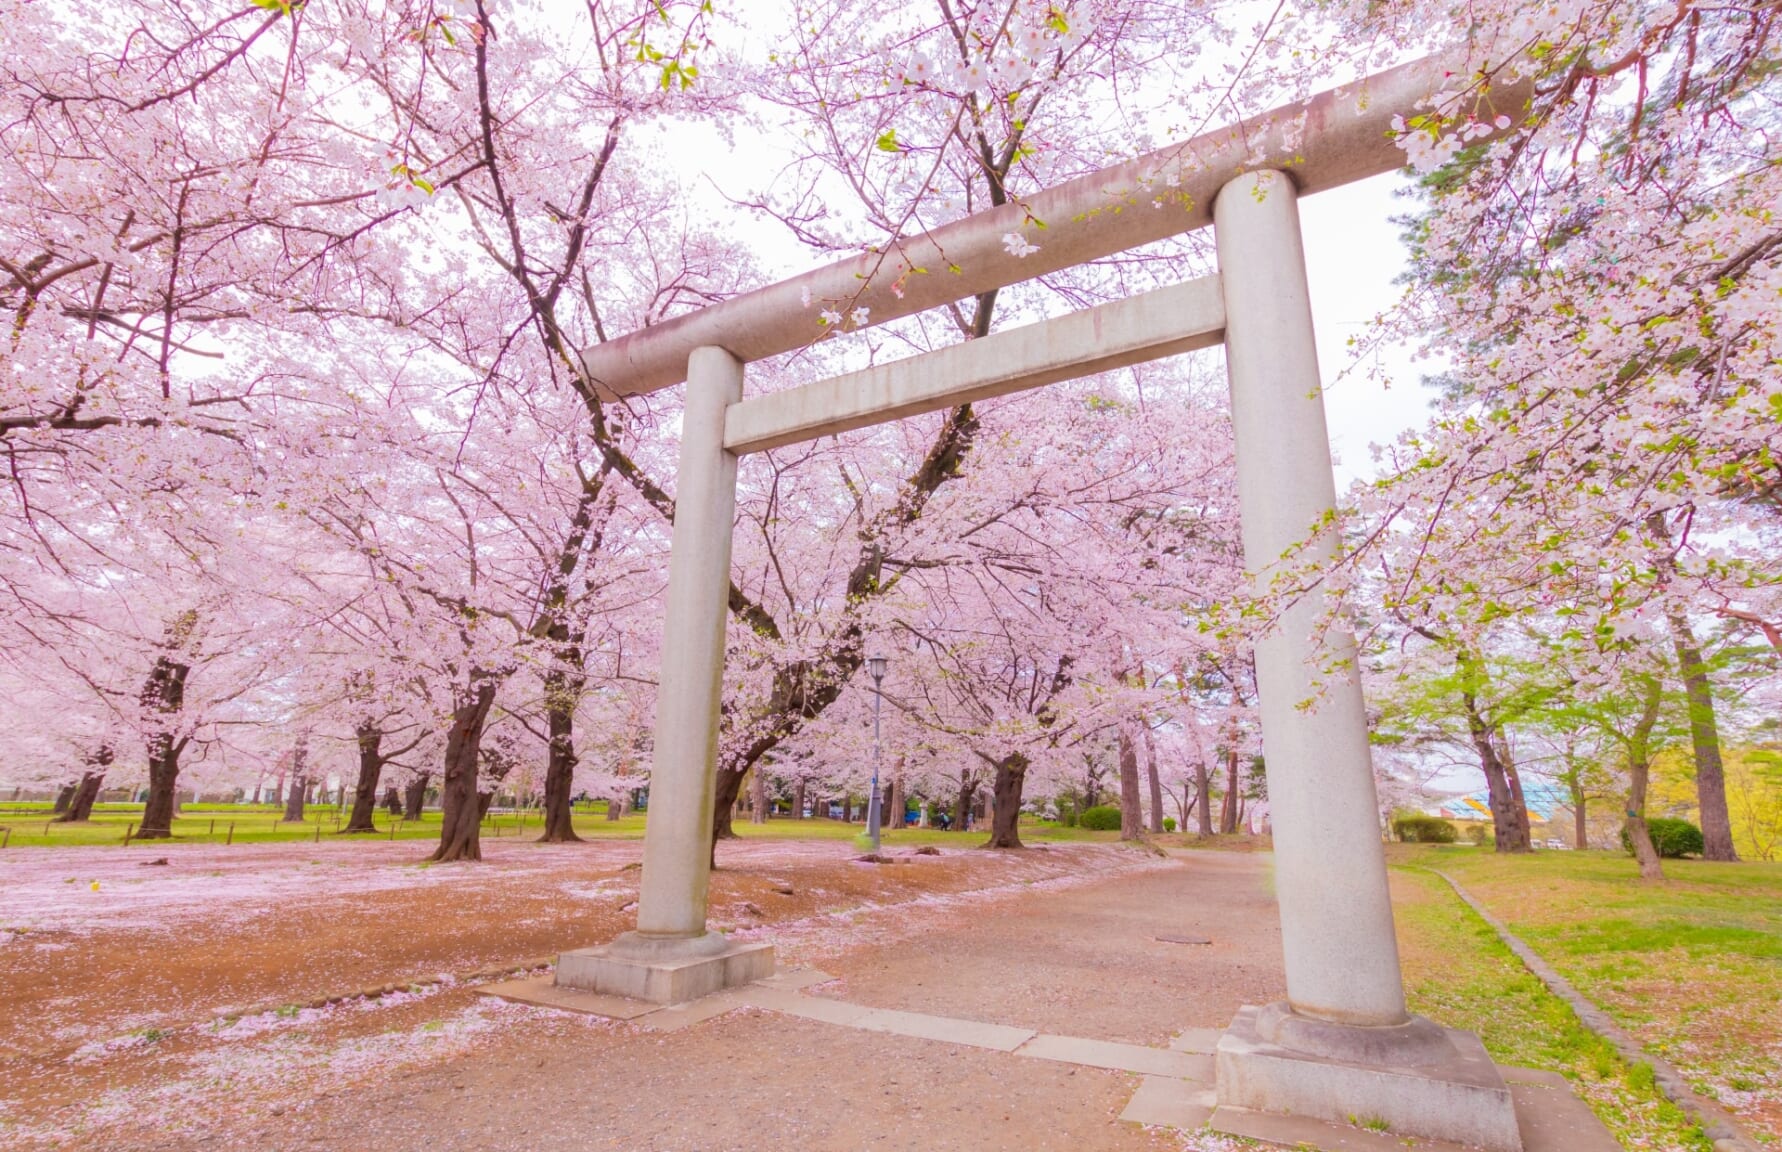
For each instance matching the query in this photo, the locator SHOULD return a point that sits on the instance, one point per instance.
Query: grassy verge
(1691, 967)
(1458, 972)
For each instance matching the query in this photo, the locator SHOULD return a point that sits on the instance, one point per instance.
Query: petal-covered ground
(146, 1000)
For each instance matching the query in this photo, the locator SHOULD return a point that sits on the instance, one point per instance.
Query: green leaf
(887, 142)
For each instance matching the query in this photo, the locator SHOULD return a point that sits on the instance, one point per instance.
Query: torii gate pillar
(671, 957)
(1342, 1045)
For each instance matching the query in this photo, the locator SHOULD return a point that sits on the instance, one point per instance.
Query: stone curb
(1715, 1121)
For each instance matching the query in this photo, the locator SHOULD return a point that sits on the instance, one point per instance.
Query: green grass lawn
(31, 826)
(1691, 967)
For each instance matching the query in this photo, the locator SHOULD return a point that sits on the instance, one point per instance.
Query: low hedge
(1101, 818)
(1416, 828)
(1672, 838)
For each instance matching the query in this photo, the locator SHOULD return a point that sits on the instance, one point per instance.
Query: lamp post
(876, 666)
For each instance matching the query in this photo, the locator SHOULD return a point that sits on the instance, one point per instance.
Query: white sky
(1353, 257)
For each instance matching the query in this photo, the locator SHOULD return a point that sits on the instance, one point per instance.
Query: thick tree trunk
(157, 811)
(968, 790)
(371, 768)
(392, 800)
(1155, 824)
(895, 816)
(847, 809)
(1704, 735)
(757, 796)
(1580, 827)
(65, 796)
(1203, 784)
(1228, 812)
(559, 821)
(163, 697)
(798, 800)
(414, 797)
(80, 809)
(295, 798)
(1509, 816)
(727, 786)
(1639, 772)
(1005, 823)
(299, 791)
(460, 830)
(1132, 817)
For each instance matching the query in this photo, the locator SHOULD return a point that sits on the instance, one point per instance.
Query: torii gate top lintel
(1337, 137)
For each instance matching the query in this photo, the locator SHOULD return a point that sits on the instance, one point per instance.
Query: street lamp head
(876, 666)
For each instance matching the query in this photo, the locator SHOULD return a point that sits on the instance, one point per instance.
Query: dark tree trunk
(157, 812)
(1639, 771)
(1203, 783)
(968, 790)
(848, 809)
(392, 800)
(294, 799)
(483, 800)
(65, 797)
(1228, 812)
(757, 796)
(1704, 735)
(460, 830)
(728, 784)
(561, 695)
(1155, 781)
(163, 697)
(1580, 827)
(896, 813)
(1132, 817)
(1005, 823)
(371, 768)
(80, 808)
(798, 800)
(414, 797)
(1509, 815)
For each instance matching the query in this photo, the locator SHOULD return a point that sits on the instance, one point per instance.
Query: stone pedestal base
(665, 971)
(1416, 1079)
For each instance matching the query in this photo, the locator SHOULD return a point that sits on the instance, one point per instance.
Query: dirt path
(443, 1066)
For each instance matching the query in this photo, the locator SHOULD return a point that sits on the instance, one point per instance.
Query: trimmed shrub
(1169, 823)
(1416, 828)
(1101, 818)
(1476, 834)
(1672, 838)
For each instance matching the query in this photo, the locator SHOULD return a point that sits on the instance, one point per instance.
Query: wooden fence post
(231, 837)
(127, 833)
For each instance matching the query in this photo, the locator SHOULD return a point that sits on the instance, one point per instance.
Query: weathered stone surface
(1456, 1095)
(665, 977)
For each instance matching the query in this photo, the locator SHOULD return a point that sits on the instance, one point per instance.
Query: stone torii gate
(1342, 1044)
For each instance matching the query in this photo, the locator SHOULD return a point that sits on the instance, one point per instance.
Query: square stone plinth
(664, 979)
(1458, 1096)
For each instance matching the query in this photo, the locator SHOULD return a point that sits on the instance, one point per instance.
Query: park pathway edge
(1715, 1121)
